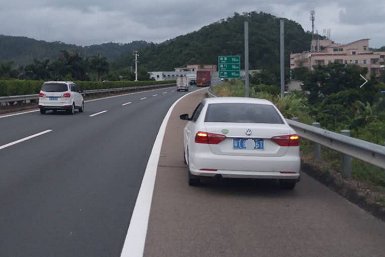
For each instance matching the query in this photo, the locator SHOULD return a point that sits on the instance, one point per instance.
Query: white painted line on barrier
(98, 113)
(25, 139)
(126, 103)
(137, 230)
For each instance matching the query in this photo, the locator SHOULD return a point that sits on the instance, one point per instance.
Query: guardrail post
(317, 147)
(346, 159)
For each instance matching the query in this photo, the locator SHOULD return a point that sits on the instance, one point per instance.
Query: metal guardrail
(357, 148)
(35, 97)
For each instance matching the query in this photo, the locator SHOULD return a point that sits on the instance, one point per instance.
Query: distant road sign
(229, 74)
(229, 59)
(229, 66)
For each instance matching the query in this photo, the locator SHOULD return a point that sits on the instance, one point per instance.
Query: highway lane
(247, 218)
(71, 191)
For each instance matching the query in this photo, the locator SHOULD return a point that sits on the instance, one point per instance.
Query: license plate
(248, 143)
(53, 98)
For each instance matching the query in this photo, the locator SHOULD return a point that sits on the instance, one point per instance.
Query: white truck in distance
(181, 84)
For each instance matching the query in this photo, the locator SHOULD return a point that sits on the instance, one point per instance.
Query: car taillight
(287, 140)
(67, 94)
(41, 94)
(209, 138)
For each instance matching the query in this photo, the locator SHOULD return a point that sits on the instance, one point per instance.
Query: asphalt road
(250, 218)
(71, 190)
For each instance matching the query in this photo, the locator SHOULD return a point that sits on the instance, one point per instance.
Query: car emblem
(248, 132)
(225, 131)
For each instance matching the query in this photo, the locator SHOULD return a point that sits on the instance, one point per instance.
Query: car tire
(72, 110)
(287, 184)
(184, 157)
(81, 109)
(42, 111)
(193, 180)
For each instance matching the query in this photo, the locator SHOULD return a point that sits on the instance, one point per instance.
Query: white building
(326, 51)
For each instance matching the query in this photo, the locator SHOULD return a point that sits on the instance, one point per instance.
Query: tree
(99, 65)
(6, 70)
(333, 78)
(38, 70)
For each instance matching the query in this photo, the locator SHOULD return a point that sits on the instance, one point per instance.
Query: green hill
(224, 37)
(23, 50)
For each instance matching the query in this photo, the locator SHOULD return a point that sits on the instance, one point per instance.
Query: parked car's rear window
(242, 113)
(54, 87)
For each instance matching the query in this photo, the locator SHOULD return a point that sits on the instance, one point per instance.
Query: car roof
(60, 82)
(237, 100)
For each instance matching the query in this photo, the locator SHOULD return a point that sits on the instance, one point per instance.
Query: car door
(190, 128)
(77, 96)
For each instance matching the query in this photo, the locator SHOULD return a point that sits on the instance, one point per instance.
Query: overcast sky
(87, 22)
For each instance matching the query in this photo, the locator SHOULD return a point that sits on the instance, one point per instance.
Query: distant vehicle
(192, 82)
(60, 95)
(181, 84)
(203, 78)
(240, 138)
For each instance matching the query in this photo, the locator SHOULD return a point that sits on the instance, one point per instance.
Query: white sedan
(239, 137)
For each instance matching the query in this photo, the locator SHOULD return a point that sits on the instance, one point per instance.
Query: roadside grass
(367, 179)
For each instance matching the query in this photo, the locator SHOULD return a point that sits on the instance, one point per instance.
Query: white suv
(60, 95)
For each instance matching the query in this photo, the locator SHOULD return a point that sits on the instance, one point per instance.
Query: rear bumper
(53, 107)
(285, 167)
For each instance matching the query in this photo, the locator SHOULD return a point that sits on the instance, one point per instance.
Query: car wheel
(287, 184)
(72, 110)
(81, 109)
(193, 180)
(42, 111)
(184, 157)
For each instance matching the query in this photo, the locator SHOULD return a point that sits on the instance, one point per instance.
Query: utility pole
(247, 86)
(136, 65)
(282, 55)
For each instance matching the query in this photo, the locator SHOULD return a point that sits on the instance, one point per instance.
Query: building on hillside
(189, 71)
(326, 51)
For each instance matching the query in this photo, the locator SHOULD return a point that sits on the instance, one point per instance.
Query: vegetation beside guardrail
(19, 87)
(27, 87)
(367, 182)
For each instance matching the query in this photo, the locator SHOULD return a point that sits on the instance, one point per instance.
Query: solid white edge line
(137, 230)
(98, 113)
(24, 139)
(17, 114)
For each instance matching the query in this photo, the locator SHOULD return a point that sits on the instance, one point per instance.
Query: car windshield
(54, 87)
(242, 113)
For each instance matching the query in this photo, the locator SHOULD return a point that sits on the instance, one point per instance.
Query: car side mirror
(184, 117)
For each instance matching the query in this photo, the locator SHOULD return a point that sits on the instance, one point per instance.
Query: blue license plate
(248, 143)
(53, 98)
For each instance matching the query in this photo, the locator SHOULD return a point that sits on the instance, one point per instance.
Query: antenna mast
(312, 18)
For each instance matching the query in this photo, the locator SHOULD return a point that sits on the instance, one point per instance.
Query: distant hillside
(224, 37)
(22, 50)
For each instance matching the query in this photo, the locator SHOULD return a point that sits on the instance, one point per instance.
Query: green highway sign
(229, 66)
(229, 59)
(229, 74)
